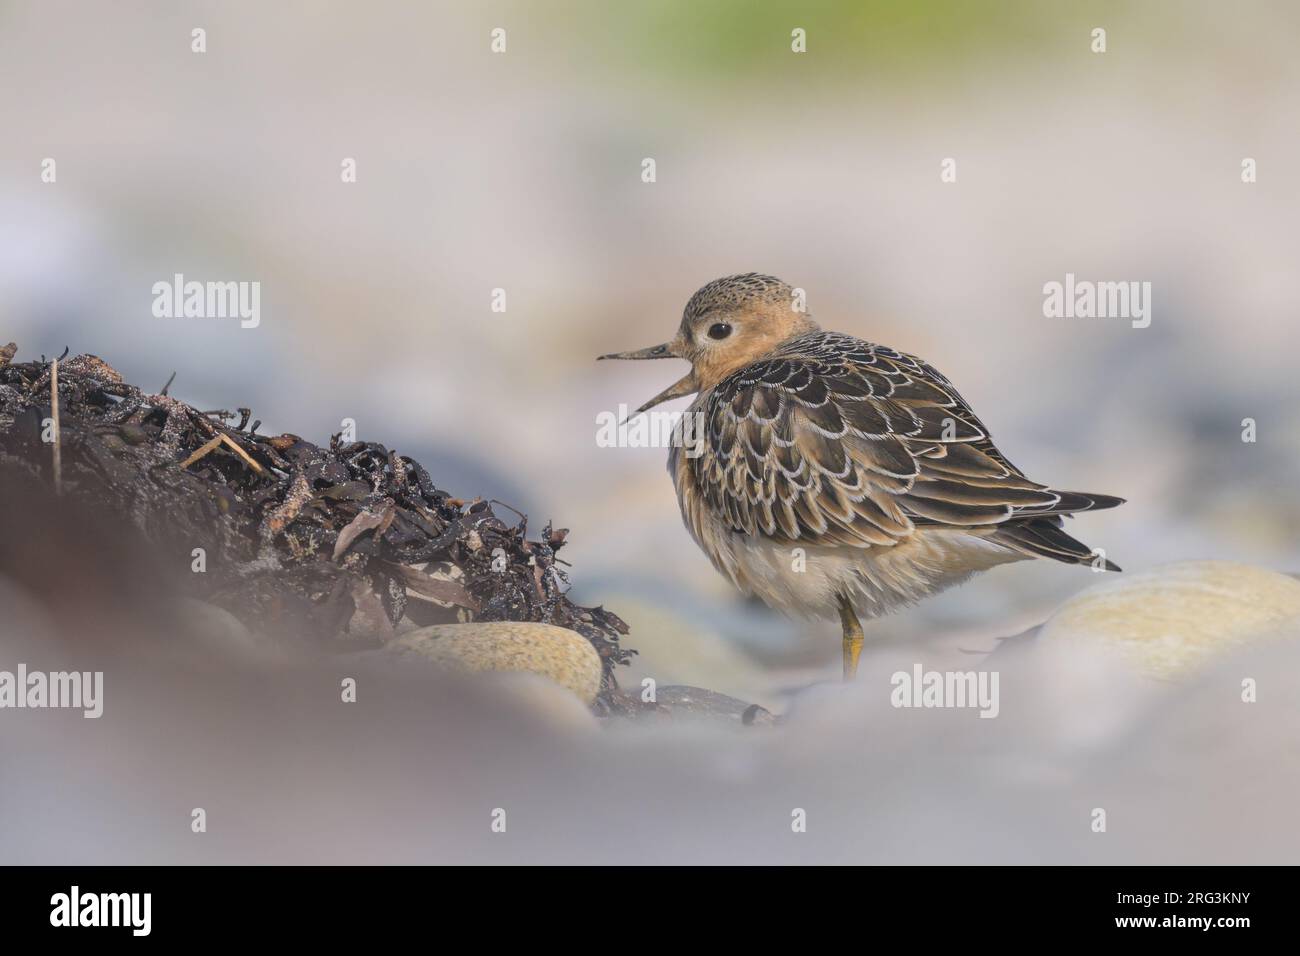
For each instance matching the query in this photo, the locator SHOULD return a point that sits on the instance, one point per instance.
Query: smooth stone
(700, 704)
(1169, 620)
(564, 656)
(541, 703)
(215, 629)
(26, 626)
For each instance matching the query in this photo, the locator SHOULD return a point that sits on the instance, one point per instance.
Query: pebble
(1170, 620)
(558, 653)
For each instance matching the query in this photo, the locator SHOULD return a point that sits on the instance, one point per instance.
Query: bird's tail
(1041, 535)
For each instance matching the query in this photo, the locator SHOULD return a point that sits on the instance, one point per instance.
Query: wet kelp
(336, 545)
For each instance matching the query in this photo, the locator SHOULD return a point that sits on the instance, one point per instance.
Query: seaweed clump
(340, 544)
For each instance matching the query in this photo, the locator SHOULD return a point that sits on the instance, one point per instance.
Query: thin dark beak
(683, 386)
(653, 352)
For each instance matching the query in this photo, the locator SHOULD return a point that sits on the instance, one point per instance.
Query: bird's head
(726, 325)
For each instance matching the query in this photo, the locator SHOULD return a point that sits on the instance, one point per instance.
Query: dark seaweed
(272, 522)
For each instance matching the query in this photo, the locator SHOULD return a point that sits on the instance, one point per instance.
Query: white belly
(807, 579)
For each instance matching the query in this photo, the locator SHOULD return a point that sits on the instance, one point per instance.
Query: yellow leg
(852, 639)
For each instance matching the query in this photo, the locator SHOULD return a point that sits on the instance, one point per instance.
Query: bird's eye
(719, 330)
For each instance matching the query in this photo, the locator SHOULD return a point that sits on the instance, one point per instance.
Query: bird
(830, 476)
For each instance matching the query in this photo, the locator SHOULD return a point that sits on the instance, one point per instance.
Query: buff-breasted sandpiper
(865, 458)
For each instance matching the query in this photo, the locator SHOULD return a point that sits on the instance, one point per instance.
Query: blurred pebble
(696, 703)
(212, 621)
(1171, 619)
(215, 629)
(543, 704)
(564, 656)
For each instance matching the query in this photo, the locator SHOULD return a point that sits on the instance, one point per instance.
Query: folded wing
(837, 441)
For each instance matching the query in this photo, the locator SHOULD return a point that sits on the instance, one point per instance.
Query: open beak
(666, 350)
(683, 386)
